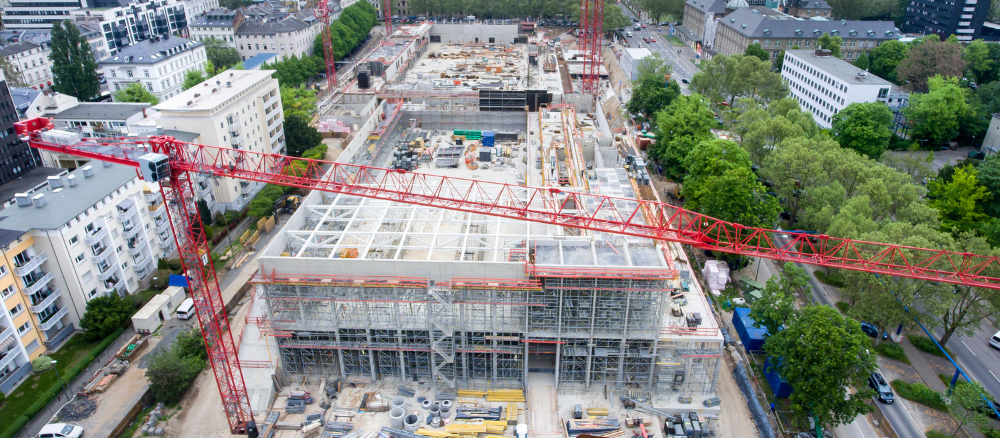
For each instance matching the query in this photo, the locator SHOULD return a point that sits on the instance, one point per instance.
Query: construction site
(413, 298)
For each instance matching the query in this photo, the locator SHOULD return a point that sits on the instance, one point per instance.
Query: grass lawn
(925, 344)
(74, 350)
(892, 351)
(841, 306)
(674, 41)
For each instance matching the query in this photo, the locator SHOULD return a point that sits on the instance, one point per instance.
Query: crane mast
(548, 205)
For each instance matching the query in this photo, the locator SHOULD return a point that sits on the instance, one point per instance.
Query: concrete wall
(991, 142)
(505, 121)
(475, 33)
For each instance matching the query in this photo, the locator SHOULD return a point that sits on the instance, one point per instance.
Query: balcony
(51, 320)
(6, 357)
(54, 339)
(203, 189)
(97, 235)
(162, 226)
(48, 297)
(30, 265)
(5, 333)
(39, 284)
(131, 231)
(151, 198)
(135, 251)
(198, 177)
(141, 260)
(126, 214)
(236, 140)
(166, 244)
(113, 287)
(142, 270)
(102, 255)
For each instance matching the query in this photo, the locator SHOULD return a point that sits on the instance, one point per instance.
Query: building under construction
(373, 290)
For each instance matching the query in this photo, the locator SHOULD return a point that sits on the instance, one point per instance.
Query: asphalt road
(896, 413)
(682, 66)
(979, 361)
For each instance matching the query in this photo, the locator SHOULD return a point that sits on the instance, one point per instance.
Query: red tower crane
(388, 17)
(169, 162)
(322, 12)
(591, 36)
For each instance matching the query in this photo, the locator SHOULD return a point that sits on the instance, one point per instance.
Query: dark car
(882, 390)
(977, 155)
(869, 329)
(685, 81)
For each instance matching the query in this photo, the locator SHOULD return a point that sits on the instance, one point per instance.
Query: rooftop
(638, 53)
(215, 91)
(838, 68)
(66, 203)
(23, 97)
(27, 182)
(712, 6)
(757, 23)
(152, 51)
(258, 60)
(14, 48)
(184, 136)
(457, 67)
(269, 27)
(220, 17)
(811, 4)
(102, 111)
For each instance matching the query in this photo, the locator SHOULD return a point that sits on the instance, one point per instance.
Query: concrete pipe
(445, 411)
(435, 410)
(426, 404)
(410, 423)
(398, 401)
(446, 404)
(396, 417)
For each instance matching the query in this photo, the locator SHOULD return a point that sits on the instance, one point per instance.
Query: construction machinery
(287, 204)
(170, 163)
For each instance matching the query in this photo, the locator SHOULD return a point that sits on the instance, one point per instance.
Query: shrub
(842, 306)
(234, 216)
(920, 393)
(104, 315)
(926, 345)
(174, 264)
(892, 351)
(41, 364)
(160, 279)
(162, 264)
(209, 232)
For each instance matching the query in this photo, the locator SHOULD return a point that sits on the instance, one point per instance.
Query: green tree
(190, 343)
(726, 78)
(299, 136)
(960, 200)
(756, 50)
(711, 159)
(135, 92)
(234, 4)
(300, 101)
(831, 43)
(761, 130)
(930, 58)
(104, 315)
(204, 212)
(74, 70)
(171, 374)
(967, 406)
(774, 309)
(937, 114)
(884, 59)
(614, 18)
(822, 380)
(651, 91)
(863, 61)
(192, 78)
(977, 60)
(12, 74)
(735, 196)
(679, 127)
(779, 62)
(41, 364)
(221, 54)
(658, 9)
(962, 309)
(988, 174)
(863, 9)
(864, 127)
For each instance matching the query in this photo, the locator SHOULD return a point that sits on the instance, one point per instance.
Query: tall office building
(16, 157)
(946, 17)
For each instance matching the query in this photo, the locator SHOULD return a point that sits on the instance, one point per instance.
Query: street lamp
(61, 385)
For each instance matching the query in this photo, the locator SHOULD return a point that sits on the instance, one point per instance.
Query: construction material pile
(604, 427)
(337, 429)
(716, 274)
(505, 395)
(77, 409)
(477, 413)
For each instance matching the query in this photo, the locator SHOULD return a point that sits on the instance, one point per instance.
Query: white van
(186, 309)
(628, 34)
(995, 340)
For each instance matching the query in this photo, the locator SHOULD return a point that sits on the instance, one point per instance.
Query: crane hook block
(154, 167)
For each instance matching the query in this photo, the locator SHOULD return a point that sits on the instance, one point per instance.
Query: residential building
(130, 21)
(32, 61)
(776, 32)
(630, 61)
(944, 18)
(196, 8)
(824, 84)
(220, 24)
(287, 37)
(158, 63)
(21, 340)
(698, 26)
(991, 142)
(25, 101)
(240, 109)
(807, 8)
(17, 157)
(38, 14)
(43, 37)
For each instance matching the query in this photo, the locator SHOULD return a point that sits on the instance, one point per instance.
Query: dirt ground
(120, 397)
(734, 419)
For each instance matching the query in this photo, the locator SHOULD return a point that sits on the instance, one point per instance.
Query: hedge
(46, 397)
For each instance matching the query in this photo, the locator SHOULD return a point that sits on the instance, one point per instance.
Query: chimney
(106, 163)
(72, 180)
(55, 182)
(823, 53)
(39, 200)
(23, 199)
(88, 171)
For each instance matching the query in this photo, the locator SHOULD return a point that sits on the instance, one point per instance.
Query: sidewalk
(923, 366)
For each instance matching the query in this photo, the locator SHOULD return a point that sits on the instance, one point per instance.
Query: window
(883, 93)
(129, 73)
(16, 309)
(3, 270)
(79, 258)
(24, 328)
(146, 73)
(125, 265)
(7, 292)
(149, 85)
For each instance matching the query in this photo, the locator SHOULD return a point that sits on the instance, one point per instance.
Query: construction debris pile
(78, 409)
(149, 427)
(601, 427)
(716, 275)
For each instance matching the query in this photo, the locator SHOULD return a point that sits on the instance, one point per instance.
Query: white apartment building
(287, 37)
(824, 84)
(95, 231)
(220, 24)
(98, 45)
(239, 109)
(124, 23)
(159, 64)
(32, 61)
(38, 14)
(195, 8)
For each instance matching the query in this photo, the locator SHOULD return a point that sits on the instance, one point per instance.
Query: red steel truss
(387, 12)
(323, 13)
(591, 35)
(550, 205)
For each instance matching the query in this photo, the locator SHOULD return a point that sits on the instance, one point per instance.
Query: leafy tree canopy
(960, 200)
(937, 114)
(726, 78)
(756, 50)
(884, 59)
(930, 57)
(74, 70)
(298, 101)
(651, 92)
(192, 78)
(831, 43)
(135, 92)
(105, 314)
(687, 121)
(12, 74)
(299, 136)
(864, 127)
(221, 54)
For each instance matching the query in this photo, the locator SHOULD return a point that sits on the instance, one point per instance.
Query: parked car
(872, 331)
(883, 392)
(977, 155)
(685, 81)
(652, 40)
(60, 430)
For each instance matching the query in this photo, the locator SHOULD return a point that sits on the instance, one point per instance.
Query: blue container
(779, 386)
(489, 138)
(746, 328)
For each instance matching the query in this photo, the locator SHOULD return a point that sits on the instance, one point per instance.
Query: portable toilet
(489, 138)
